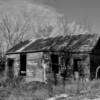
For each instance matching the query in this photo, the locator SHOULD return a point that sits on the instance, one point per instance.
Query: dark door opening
(76, 68)
(55, 66)
(98, 74)
(55, 63)
(94, 64)
(75, 65)
(10, 63)
(23, 64)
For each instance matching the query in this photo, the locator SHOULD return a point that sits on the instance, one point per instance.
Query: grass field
(18, 90)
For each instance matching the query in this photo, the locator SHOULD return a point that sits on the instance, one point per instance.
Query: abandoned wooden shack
(76, 53)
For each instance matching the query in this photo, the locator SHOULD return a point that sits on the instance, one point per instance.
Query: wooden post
(77, 81)
(44, 65)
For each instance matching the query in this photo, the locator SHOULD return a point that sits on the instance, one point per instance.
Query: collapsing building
(76, 53)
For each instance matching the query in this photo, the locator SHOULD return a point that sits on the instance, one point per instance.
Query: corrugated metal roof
(83, 43)
(40, 44)
(74, 43)
(18, 46)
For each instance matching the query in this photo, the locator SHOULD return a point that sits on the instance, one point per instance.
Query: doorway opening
(75, 65)
(55, 63)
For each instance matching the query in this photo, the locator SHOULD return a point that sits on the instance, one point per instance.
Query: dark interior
(75, 65)
(54, 63)
(10, 63)
(95, 60)
(94, 63)
(23, 64)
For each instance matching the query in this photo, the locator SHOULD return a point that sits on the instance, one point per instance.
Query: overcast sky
(85, 11)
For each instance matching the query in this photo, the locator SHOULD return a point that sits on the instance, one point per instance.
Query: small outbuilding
(76, 53)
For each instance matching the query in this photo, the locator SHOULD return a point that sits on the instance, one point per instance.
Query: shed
(76, 53)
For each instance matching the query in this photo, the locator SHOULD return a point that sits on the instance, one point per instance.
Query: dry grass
(18, 90)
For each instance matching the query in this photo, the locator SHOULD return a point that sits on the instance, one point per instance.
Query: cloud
(16, 1)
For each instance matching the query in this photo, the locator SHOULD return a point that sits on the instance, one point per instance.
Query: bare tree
(74, 28)
(44, 31)
(62, 22)
(12, 29)
(28, 21)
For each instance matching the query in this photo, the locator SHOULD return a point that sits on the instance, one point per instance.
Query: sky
(82, 11)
